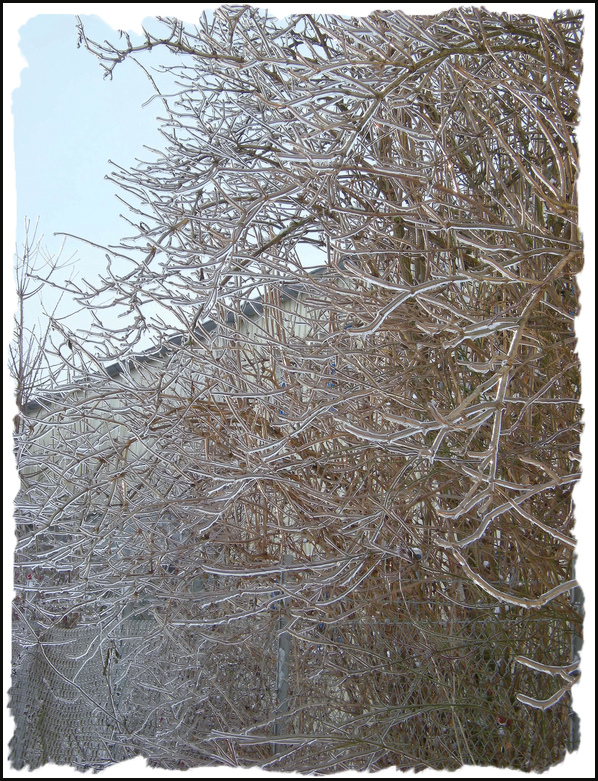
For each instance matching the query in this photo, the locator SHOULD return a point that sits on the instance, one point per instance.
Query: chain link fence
(326, 524)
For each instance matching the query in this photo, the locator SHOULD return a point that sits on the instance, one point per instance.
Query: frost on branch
(318, 525)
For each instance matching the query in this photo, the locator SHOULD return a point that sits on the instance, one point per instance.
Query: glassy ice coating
(326, 522)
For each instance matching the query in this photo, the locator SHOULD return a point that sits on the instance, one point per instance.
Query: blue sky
(68, 122)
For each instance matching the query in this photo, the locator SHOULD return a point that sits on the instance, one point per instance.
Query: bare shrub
(334, 501)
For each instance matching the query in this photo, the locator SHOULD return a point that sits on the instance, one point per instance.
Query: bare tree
(334, 501)
(30, 354)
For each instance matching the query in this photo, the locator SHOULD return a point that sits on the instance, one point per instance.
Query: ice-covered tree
(336, 498)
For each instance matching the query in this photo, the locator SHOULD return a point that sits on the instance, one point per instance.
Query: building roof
(250, 309)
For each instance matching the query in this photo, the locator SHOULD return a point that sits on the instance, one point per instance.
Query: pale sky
(68, 122)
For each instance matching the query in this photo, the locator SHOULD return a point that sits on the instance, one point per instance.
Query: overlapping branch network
(358, 255)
